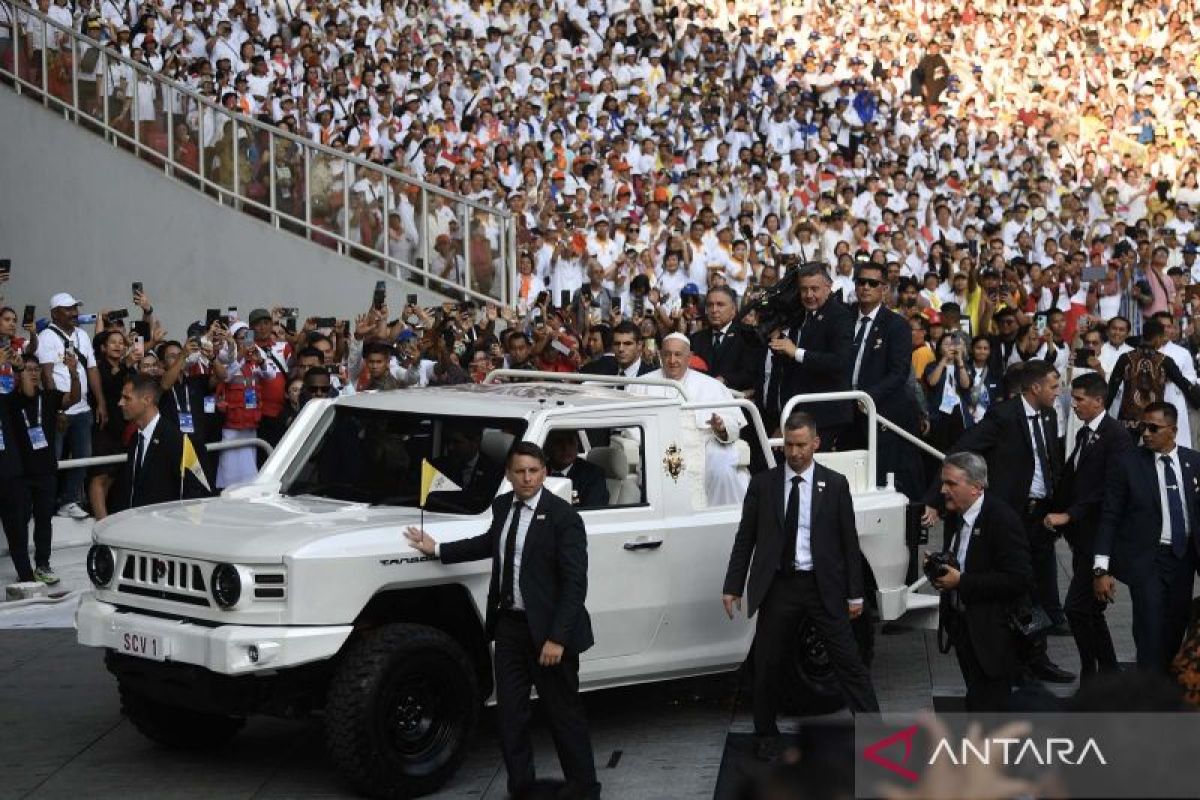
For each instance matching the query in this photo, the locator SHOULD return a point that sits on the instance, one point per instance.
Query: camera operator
(982, 572)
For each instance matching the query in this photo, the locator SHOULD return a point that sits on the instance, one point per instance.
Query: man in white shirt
(724, 484)
(1115, 347)
(1148, 536)
(53, 342)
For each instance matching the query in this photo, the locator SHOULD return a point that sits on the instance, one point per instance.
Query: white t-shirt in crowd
(50, 350)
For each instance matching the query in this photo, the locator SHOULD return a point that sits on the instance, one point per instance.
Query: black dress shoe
(768, 748)
(1049, 671)
(1061, 629)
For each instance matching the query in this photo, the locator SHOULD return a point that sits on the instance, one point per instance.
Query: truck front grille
(166, 577)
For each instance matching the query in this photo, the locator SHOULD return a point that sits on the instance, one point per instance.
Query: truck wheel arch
(446, 607)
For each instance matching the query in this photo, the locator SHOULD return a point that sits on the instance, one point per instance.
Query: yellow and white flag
(434, 481)
(190, 462)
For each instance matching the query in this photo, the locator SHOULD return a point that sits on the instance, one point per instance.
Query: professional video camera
(779, 306)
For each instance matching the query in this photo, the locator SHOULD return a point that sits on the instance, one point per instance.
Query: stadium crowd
(1013, 185)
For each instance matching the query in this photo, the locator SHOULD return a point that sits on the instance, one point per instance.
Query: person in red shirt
(274, 389)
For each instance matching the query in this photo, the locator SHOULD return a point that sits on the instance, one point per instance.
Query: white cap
(64, 300)
(676, 336)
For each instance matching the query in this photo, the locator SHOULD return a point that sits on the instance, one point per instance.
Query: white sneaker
(72, 510)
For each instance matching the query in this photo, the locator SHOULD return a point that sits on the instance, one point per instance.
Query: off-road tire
(402, 706)
(177, 727)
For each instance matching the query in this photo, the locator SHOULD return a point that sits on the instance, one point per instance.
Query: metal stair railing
(365, 210)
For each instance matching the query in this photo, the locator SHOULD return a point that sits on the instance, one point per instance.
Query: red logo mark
(872, 753)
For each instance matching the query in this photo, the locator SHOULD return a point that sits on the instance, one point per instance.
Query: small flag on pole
(434, 481)
(190, 462)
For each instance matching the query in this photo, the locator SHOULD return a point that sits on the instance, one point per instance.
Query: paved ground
(63, 736)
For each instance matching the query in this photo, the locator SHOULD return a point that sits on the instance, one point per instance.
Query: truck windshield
(372, 456)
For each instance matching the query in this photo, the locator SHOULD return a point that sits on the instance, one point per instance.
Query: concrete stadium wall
(79, 215)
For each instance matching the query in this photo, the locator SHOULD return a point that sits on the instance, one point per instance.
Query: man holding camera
(982, 573)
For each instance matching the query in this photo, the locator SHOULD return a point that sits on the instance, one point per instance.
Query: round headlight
(101, 564)
(226, 585)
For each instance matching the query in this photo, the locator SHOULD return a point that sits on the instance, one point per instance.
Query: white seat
(495, 445)
(616, 474)
(852, 464)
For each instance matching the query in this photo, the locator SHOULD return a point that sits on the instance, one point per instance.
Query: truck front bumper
(224, 649)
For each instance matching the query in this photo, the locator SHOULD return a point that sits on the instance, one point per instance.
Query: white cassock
(724, 484)
(1172, 395)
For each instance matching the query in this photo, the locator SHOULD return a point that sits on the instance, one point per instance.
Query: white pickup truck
(298, 593)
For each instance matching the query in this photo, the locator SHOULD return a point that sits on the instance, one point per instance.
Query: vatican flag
(189, 462)
(434, 481)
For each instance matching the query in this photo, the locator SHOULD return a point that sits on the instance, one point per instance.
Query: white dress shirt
(147, 434)
(803, 533)
(1037, 489)
(1094, 428)
(526, 509)
(964, 537)
(862, 345)
(1164, 536)
(632, 370)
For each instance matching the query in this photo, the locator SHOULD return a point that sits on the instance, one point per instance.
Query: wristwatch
(1100, 572)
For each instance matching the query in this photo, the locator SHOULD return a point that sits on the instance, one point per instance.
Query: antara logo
(999, 750)
(1011, 752)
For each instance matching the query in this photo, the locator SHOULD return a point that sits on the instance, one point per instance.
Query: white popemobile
(298, 592)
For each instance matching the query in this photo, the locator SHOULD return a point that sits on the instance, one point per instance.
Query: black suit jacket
(886, 365)
(736, 360)
(758, 546)
(997, 577)
(607, 365)
(1080, 493)
(1131, 518)
(1003, 438)
(590, 490)
(554, 566)
(159, 478)
(826, 336)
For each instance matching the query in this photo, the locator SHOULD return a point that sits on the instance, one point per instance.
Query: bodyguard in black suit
(813, 355)
(726, 346)
(588, 486)
(536, 616)
(1149, 535)
(799, 546)
(882, 363)
(1078, 499)
(626, 356)
(152, 472)
(1019, 440)
(977, 599)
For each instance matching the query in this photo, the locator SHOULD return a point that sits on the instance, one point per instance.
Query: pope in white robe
(719, 428)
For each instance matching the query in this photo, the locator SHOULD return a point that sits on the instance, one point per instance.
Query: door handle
(644, 544)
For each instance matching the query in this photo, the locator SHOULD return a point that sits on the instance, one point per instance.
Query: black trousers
(517, 670)
(794, 596)
(14, 516)
(985, 693)
(1086, 616)
(1043, 559)
(1161, 604)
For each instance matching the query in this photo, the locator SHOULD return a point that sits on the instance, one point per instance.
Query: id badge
(251, 397)
(1, 440)
(7, 384)
(210, 404)
(185, 423)
(37, 438)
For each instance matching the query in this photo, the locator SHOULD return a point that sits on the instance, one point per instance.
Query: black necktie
(862, 331)
(1043, 455)
(137, 467)
(510, 551)
(1174, 508)
(717, 337)
(1082, 437)
(791, 526)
